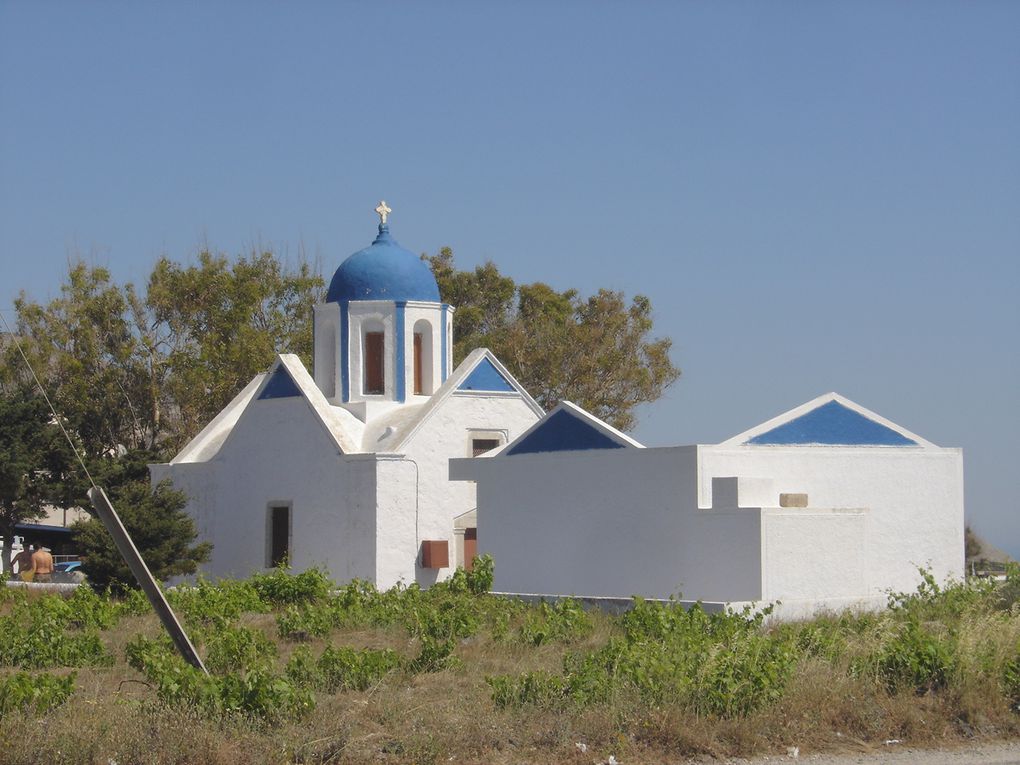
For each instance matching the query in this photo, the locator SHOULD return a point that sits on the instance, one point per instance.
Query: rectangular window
(279, 535)
(482, 445)
(375, 379)
(417, 364)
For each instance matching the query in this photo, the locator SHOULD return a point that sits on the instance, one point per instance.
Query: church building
(346, 466)
(385, 463)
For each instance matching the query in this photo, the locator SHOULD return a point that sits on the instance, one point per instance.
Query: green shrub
(916, 658)
(947, 604)
(232, 649)
(305, 621)
(342, 668)
(43, 633)
(39, 693)
(279, 587)
(258, 694)
(564, 621)
(1011, 681)
(208, 604)
(722, 664)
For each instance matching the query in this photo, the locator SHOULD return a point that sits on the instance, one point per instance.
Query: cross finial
(383, 211)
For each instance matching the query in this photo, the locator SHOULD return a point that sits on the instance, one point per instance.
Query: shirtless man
(23, 560)
(42, 562)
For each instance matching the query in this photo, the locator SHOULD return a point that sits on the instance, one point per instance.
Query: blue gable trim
(400, 370)
(280, 385)
(835, 425)
(563, 432)
(486, 377)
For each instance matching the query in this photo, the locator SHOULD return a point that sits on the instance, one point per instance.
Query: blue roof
(563, 431)
(383, 271)
(832, 424)
(485, 376)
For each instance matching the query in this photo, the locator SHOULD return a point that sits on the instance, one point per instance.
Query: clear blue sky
(815, 196)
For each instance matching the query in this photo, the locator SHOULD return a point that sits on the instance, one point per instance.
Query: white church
(386, 464)
(347, 467)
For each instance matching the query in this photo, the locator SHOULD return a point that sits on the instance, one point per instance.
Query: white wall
(814, 554)
(619, 522)
(280, 453)
(914, 499)
(613, 523)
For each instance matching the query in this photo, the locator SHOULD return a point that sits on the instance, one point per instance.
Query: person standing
(42, 563)
(23, 562)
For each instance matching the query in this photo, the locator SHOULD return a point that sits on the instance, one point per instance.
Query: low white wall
(914, 498)
(612, 523)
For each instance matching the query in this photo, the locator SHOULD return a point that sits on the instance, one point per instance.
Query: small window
(375, 379)
(483, 445)
(418, 377)
(279, 535)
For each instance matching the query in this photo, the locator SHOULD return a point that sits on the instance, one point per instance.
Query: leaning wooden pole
(149, 585)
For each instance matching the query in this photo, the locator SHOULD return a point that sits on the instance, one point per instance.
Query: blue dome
(383, 271)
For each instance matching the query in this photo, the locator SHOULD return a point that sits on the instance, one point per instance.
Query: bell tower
(383, 338)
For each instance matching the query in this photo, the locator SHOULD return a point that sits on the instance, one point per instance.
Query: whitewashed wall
(614, 523)
(611, 523)
(913, 497)
(279, 453)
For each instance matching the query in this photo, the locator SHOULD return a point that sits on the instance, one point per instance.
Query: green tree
(147, 372)
(221, 322)
(35, 463)
(88, 348)
(597, 352)
(163, 533)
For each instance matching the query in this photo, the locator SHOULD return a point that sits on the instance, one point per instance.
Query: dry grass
(448, 716)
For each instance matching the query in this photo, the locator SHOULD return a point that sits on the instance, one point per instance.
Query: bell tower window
(423, 364)
(375, 363)
(418, 389)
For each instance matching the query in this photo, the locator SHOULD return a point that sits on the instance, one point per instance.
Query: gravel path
(985, 754)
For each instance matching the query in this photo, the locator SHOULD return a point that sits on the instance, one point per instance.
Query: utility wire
(49, 403)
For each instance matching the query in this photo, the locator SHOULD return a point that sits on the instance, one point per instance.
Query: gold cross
(383, 211)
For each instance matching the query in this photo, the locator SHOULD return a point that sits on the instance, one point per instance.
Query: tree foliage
(133, 371)
(597, 352)
(220, 323)
(35, 462)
